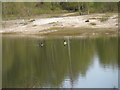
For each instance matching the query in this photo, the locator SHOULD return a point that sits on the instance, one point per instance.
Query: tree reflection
(26, 65)
(107, 50)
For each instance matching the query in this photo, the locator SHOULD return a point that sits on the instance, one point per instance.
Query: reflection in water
(107, 50)
(76, 64)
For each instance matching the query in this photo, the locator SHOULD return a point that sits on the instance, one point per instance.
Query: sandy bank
(49, 25)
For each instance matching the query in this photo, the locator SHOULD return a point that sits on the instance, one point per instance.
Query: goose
(65, 43)
(41, 44)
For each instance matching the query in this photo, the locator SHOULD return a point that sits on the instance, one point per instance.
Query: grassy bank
(85, 32)
(82, 32)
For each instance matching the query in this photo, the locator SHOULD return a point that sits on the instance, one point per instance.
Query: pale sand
(43, 25)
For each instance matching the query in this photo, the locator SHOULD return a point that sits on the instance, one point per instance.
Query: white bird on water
(65, 43)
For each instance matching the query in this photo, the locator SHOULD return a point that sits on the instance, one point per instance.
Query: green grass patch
(7, 33)
(56, 28)
(82, 32)
(74, 14)
(104, 17)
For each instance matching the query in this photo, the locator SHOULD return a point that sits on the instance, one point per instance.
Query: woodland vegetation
(27, 9)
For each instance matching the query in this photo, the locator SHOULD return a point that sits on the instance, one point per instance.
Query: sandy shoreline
(50, 25)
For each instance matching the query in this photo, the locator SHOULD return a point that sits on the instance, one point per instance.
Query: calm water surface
(82, 63)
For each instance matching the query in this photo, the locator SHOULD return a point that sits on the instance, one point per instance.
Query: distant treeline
(37, 8)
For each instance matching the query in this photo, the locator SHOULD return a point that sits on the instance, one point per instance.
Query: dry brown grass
(92, 23)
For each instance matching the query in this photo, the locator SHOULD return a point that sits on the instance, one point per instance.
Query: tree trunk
(79, 8)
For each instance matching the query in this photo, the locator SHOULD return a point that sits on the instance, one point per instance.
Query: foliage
(23, 9)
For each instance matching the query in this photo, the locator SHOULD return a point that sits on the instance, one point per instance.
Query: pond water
(80, 63)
